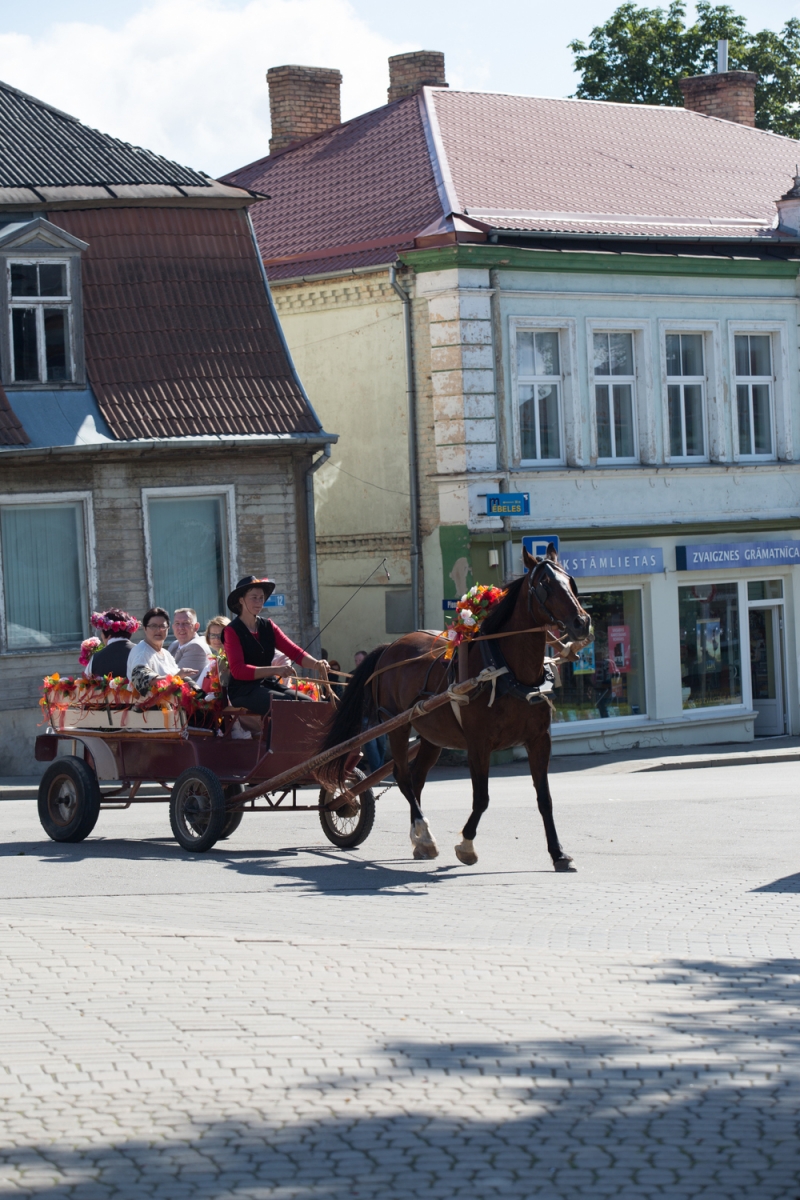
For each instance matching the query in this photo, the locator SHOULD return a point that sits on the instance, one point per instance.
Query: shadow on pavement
(700, 1102)
(789, 883)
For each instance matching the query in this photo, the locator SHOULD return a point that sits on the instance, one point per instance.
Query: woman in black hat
(250, 645)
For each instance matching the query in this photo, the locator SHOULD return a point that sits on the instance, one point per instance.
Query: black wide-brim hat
(244, 585)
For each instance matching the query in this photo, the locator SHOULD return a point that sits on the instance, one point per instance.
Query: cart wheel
(197, 809)
(349, 831)
(69, 800)
(233, 819)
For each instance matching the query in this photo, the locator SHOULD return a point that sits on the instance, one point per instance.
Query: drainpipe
(413, 488)
(502, 423)
(315, 466)
(312, 543)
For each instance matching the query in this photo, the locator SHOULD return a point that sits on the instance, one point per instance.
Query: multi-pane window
(614, 391)
(40, 322)
(44, 574)
(539, 379)
(686, 395)
(188, 553)
(754, 394)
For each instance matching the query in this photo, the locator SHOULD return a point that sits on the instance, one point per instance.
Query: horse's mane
(501, 612)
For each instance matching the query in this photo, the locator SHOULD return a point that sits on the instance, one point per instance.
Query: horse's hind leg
(539, 759)
(422, 840)
(479, 758)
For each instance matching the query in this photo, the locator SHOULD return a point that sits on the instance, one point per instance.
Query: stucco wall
(348, 342)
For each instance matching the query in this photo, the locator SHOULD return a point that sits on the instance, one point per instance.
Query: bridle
(542, 576)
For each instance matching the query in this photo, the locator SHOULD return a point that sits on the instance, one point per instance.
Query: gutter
(277, 442)
(315, 466)
(413, 488)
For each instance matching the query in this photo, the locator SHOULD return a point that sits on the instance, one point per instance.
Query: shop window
(686, 395)
(608, 678)
(43, 558)
(711, 666)
(765, 589)
(614, 397)
(40, 322)
(753, 355)
(539, 382)
(188, 553)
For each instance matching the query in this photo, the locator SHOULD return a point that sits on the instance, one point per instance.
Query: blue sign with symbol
(508, 504)
(276, 600)
(537, 545)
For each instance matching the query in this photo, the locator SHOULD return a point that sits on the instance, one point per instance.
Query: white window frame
(226, 490)
(713, 426)
(780, 414)
(90, 557)
(38, 304)
(570, 425)
(643, 418)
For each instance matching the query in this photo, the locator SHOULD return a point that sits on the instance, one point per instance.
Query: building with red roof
(156, 442)
(596, 304)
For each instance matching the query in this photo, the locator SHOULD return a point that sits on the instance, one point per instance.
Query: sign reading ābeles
(641, 560)
(737, 554)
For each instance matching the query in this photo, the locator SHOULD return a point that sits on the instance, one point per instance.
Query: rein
(436, 653)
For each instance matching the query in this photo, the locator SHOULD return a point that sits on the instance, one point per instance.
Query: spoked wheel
(232, 819)
(348, 827)
(69, 800)
(197, 809)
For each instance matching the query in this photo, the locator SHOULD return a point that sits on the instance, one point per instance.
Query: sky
(186, 78)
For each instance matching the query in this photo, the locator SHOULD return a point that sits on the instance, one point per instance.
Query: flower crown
(127, 625)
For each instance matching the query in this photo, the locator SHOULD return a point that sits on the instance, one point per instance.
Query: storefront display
(608, 678)
(711, 668)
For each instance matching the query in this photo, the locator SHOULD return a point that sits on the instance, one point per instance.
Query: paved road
(279, 1019)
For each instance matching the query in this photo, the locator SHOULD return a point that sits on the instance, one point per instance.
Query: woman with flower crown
(111, 655)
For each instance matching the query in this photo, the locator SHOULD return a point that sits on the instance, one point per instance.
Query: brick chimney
(302, 101)
(408, 73)
(730, 95)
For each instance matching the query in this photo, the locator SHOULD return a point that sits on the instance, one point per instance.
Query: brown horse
(512, 712)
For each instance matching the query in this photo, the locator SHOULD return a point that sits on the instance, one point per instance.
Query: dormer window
(40, 304)
(41, 323)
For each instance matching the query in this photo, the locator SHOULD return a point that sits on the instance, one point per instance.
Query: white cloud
(186, 78)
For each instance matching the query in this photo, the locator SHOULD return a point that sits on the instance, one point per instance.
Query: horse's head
(553, 595)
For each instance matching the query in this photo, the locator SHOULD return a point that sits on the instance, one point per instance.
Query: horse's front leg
(423, 842)
(539, 759)
(479, 759)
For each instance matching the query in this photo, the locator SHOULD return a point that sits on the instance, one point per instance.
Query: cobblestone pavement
(299, 1022)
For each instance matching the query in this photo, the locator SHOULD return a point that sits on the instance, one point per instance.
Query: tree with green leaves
(639, 55)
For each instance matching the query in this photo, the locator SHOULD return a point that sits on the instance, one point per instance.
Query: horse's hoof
(466, 854)
(423, 841)
(563, 864)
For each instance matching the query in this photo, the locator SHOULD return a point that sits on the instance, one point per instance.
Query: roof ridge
(8, 87)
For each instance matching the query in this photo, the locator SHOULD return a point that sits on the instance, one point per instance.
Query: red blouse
(244, 671)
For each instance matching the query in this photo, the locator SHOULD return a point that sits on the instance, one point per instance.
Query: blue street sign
(537, 545)
(449, 605)
(276, 600)
(508, 504)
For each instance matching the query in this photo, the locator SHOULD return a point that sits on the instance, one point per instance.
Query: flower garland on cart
(114, 694)
(471, 609)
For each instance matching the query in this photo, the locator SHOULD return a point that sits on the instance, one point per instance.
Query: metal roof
(41, 146)
(360, 192)
(67, 417)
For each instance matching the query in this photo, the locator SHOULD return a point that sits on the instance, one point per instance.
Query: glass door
(766, 668)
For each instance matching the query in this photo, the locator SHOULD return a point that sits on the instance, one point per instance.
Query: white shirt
(160, 662)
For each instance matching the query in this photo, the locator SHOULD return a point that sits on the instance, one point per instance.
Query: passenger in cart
(250, 645)
(115, 628)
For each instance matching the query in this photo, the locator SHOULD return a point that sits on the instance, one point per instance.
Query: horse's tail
(350, 713)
